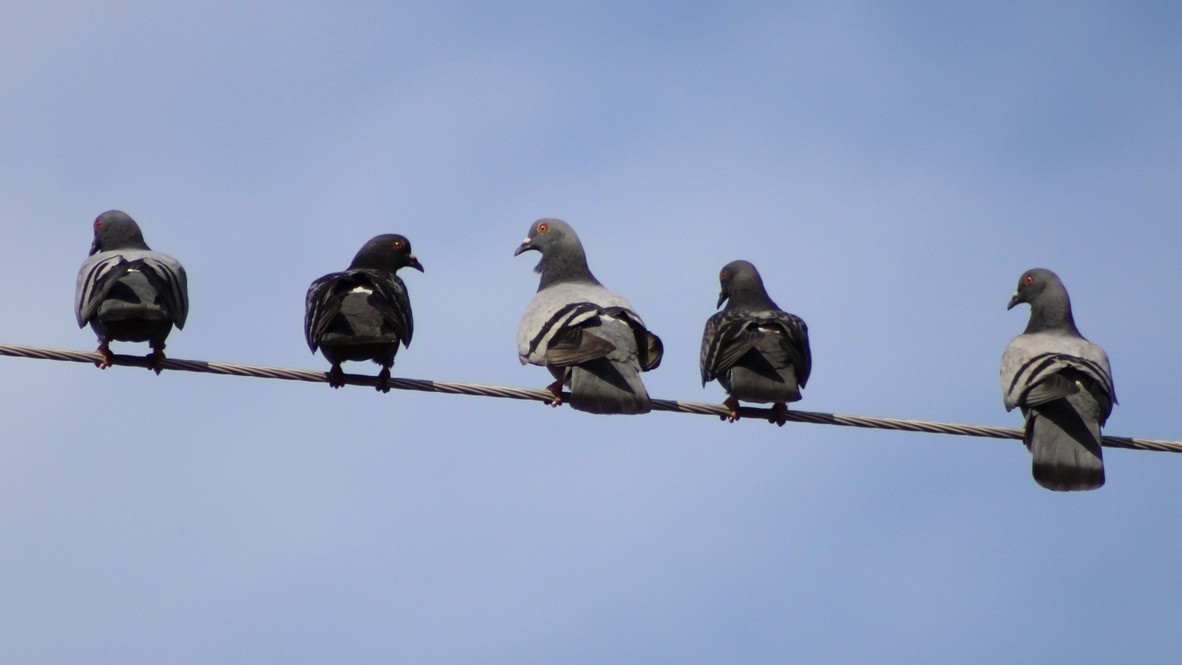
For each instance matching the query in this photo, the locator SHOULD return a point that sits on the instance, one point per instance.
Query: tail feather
(603, 386)
(120, 310)
(755, 383)
(1065, 444)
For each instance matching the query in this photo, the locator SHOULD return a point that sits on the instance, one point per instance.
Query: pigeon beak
(525, 246)
(414, 263)
(722, 297)
(1017, 298)
(94, 246)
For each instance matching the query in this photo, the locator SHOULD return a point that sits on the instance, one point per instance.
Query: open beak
(414, 263)
(525, 246)
(1014, 301)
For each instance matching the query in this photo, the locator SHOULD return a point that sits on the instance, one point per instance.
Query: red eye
(543, 227)
(1029, 279)
(98, 224)
(398, 244)
(722, 275)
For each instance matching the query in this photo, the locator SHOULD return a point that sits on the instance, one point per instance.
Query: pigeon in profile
(1062, 383)
(588, 337)
(127, 292)
(757, 351)
(364, 312)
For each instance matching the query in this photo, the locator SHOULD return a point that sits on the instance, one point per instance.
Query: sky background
(890, 170)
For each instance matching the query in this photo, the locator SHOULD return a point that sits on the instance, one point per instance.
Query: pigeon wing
(1032, 361)
(168, 277)
(391, 299)
(98, 275)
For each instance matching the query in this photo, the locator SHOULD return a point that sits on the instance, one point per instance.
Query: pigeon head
(549, 236)
(115, 229)
(740, 284)
(1050, 306)
(563, 259)
(387, 252)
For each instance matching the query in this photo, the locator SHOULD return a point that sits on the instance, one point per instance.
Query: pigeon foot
(384, 380)
(556, 390)
(779, 414)
(336, 377)
(104, 350)
(732, 405)
(155, 358)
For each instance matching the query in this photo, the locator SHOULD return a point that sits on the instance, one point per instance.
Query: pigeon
(757, 351)
(364, 312)
(587, 336)
(127, 292)
(1062, 383)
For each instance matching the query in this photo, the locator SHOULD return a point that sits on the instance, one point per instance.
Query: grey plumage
(363, 313)
(756, 351)
(126, 291)
(587, 336)
(1063, 385)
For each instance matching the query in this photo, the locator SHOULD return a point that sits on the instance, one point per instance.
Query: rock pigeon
(758, 352)
(127, 292)
(1062, 383)
(588, 337)
(364, 312)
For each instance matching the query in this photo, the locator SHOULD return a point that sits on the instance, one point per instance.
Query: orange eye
(722, 275)
(543, 227)
(98, 224)
(1029, 279)
(398, 244)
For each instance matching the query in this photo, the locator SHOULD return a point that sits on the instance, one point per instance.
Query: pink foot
(732, 405)
(556, 390)
(104, 350)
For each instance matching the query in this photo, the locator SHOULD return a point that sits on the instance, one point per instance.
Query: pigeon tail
(113, 311)
(1065, 445)
(363, 321)
(605, 387)
(760, 382)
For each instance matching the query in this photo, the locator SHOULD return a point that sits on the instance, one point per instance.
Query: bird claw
(155, 358)
(779, 414)
(556, 390)
(104, 350)
(336, 377)
(732, 405)
(383, 380)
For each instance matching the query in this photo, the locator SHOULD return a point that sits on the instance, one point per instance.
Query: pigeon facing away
(1062, 383)
(758, 352)
(588, 337)
(364, 312)
(127, 292)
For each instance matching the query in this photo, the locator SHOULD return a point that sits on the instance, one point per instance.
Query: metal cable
(544, 396)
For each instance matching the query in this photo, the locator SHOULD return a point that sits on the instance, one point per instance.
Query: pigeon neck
(750, 296)
(367, 263)
(124, 239)
(1052, 314)
(568, 265)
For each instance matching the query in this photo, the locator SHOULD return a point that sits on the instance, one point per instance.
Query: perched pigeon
(758, 352)
(1063, 385)
(127, 292)
(363, 313)
(588, 337)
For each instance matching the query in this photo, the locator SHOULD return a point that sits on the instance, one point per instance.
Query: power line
(504, 392)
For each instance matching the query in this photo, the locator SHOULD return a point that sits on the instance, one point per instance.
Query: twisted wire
(505, 392)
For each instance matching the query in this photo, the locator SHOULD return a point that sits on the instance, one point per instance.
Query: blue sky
(890, 170)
